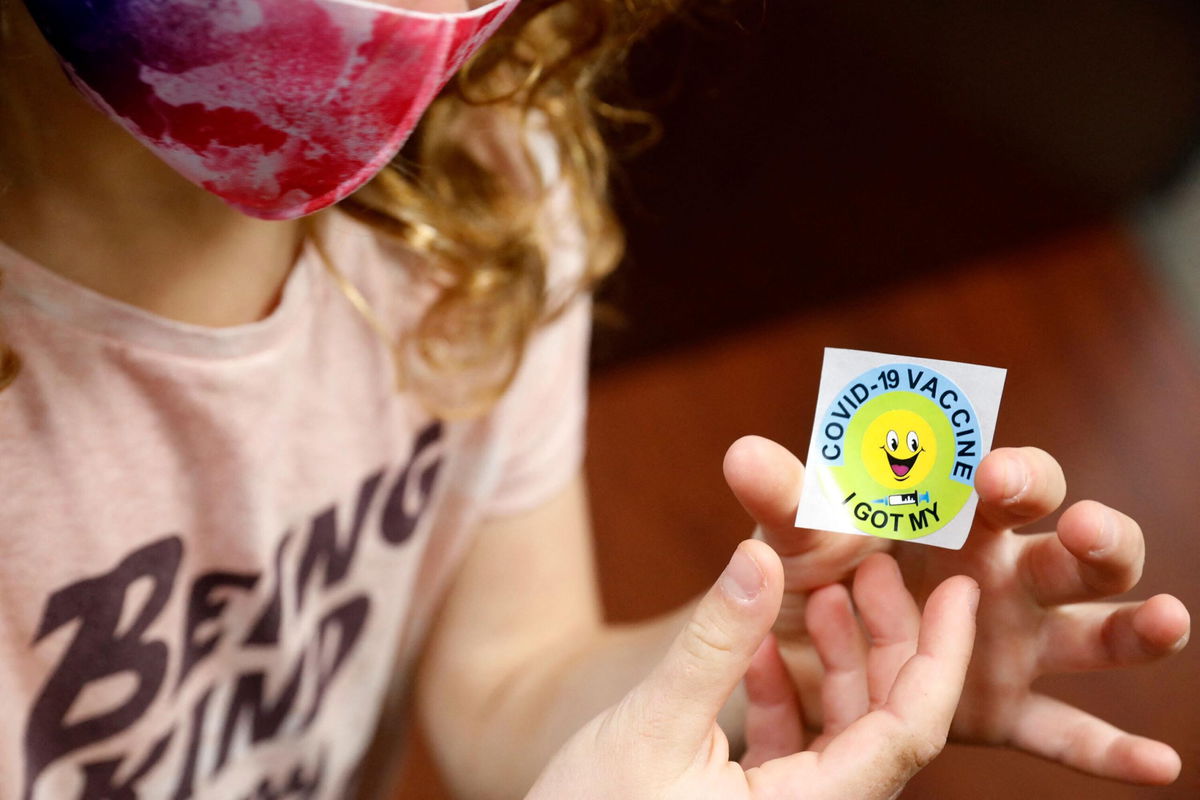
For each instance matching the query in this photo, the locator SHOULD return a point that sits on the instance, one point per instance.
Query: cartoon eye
(914, 443)
(893, 441)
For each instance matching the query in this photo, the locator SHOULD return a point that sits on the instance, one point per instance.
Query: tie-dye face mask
(280, 107)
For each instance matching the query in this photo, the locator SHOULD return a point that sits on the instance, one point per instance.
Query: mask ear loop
(360, 304)
(10, 362)
(10, 366)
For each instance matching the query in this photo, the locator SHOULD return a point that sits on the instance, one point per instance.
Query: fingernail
(973, 602)
(1014, 479)
(1106, 537)
(742, 579)
(1181, 642)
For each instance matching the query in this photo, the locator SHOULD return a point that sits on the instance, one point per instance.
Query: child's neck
(84, 199)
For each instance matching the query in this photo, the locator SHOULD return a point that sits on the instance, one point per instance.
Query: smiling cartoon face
(899, 449)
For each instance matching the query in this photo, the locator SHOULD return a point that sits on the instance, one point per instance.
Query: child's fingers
(773, 727)
(1097, 552)
(1017, 486)
(925, 694)
(1062, 733)
(1090, 636)
(843, 651)
(891, 618)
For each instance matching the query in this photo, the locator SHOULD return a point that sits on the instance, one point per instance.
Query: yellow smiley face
(899, 449)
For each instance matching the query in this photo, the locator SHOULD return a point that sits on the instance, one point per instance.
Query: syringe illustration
(906, 499)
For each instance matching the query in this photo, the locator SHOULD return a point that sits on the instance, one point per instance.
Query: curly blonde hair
(473, 220)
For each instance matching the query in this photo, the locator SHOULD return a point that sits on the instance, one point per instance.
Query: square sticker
(895, 446)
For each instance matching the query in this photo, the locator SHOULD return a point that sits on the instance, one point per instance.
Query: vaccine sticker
(896, 443)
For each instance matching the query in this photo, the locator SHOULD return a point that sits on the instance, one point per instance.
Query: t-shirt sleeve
(540, 421)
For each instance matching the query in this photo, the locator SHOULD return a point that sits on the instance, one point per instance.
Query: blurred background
(1014, 184)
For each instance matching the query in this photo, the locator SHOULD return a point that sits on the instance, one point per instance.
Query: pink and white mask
(280, 107)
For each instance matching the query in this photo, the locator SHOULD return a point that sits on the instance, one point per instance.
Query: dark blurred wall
(818, 151)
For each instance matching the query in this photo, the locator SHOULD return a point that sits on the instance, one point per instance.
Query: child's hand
(1032, 620)
(888, 705)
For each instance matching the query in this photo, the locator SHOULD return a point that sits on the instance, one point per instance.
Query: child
(254, 463)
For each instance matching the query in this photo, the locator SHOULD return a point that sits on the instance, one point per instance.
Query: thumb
(677, 704)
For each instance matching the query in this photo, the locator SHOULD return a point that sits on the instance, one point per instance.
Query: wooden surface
(1100, 374)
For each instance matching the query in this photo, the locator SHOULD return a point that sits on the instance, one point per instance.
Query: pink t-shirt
(218, 547)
